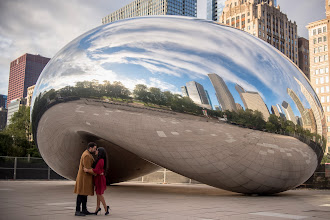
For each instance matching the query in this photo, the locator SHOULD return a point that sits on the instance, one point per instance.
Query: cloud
(45, 26)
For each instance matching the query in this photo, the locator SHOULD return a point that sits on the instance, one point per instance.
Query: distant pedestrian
(100, 168)
(84, 181)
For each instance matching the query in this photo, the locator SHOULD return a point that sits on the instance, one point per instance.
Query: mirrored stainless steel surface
(207, 101)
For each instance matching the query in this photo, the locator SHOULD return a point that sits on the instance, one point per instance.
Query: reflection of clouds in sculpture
(126, 50)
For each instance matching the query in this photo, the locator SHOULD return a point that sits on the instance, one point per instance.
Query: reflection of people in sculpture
(84, 181)
(100, 167)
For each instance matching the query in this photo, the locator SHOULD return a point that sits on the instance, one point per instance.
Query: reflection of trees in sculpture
(247, 118)
(93, 89)
(156, 98)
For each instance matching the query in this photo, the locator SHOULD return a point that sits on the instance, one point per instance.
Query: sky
(45, 26)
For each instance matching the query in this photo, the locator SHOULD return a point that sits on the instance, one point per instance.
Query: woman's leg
(97, 203)
(103, 202)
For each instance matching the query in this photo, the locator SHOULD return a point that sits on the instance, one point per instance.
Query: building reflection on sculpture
(195, 98)
(145, 88)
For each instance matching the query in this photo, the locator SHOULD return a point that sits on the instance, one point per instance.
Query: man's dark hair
(91, 144)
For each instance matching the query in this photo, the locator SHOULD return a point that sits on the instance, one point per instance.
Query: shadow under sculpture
(148, 92)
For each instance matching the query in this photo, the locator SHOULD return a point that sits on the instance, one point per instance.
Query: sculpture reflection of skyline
(253, 101)
(194, 98)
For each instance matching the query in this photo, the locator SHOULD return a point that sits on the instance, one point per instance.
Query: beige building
(319, 63)
(264, 20)
(153, 7)
(253, 101)
(29, 95)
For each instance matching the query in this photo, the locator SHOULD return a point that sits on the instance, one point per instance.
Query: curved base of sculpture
(212, 152)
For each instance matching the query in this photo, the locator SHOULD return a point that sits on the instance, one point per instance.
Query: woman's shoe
(97, 211)
(107, 213)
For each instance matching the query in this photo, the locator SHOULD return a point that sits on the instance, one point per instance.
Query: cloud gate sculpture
(204, 100)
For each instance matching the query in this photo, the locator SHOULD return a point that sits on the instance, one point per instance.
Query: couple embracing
(89, 170)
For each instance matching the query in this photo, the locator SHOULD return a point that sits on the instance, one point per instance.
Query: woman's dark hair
(102, 154)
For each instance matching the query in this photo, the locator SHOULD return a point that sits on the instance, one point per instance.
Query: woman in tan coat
(84, 181)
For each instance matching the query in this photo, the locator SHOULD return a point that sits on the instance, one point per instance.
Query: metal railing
(26, 168)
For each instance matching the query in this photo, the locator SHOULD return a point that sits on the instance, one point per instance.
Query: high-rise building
(319, 65)
(275, 111)
(214, 9)
(264, 20)
(317, 115)
(289, 112)
(184, 91)
(197, 93)
(238, 106)
(13, 107)
(153, 7)
(29, 95)
(3, 101)
(253, 101)
(24, 72)
(222, 92)
(208, 98)
(3, 118)
(303, 55)
(305, 117)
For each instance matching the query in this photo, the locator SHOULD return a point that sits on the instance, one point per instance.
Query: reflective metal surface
(207, 101)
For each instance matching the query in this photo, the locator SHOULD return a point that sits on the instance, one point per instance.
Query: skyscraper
(223, 94)
(288, 112)
(153, 7)
(214, 9)
(3, 101)
(208, 98)
(313, 104)
(275, 111)
(3, 118)
(303, 54)
(13, 107)
(253, 101)
(197, 93)
(29, 95)
(306, 120)
(184, 91)
(24, 72)
(263, 19)
(319, 65)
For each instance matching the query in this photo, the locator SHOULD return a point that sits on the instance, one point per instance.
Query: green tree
(6, 143)
(141, 93)
(325, 159)
(156, 96)
(19, 130)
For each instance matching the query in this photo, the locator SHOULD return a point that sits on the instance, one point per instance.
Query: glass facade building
(153, 7)
(214, 9)
(3, 101)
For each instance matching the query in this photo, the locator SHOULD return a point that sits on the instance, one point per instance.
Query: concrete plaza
(55, 200)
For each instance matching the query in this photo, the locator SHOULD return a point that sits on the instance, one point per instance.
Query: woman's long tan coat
(84, 181)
